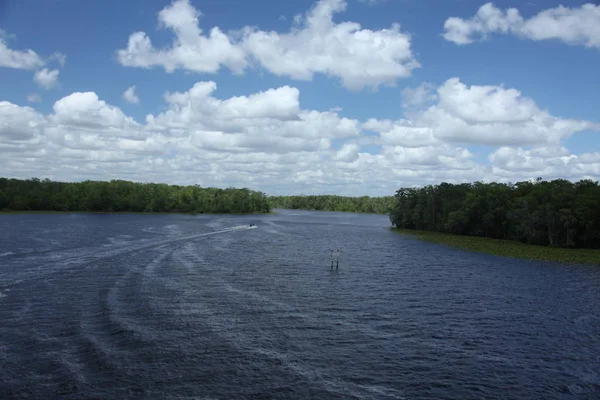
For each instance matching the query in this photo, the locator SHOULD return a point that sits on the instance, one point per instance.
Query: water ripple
(179, 307)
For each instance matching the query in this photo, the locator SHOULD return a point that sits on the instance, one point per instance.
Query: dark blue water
(183, 307)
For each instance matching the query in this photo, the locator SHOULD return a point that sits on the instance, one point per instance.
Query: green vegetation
(364, 204)
(556, 213)
(554, 220)
(508, 248)
(125, 196)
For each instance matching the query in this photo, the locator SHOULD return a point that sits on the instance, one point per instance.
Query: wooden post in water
(335, 256)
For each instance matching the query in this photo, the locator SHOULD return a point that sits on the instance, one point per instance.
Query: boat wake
(30, 266)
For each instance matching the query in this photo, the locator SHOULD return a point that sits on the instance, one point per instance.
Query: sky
(347, 97)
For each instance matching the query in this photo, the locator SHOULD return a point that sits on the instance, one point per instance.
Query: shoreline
(332, 211)
(507, 248)
(8, 212)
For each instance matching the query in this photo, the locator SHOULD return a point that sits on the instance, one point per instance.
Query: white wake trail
(52, 262)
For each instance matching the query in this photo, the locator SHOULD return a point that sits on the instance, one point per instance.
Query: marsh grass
(508, 248)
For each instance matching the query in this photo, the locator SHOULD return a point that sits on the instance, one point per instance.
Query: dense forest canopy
(125, 196)
(364, 204)
(554, 213)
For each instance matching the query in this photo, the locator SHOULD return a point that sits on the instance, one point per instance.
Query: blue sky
(557, 72)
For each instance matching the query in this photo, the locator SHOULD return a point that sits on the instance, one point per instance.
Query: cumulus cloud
(46, 78)
(270, 120)
(18, 123)
(29, 60)
(268, 141)
(190, 50)
(282, 103)
(19, 59)
(130, 96)
(545, 162)
(574, 26)
(438, 156)
(359, 57)
(85, 112)
(405, 133)
(490, 115)
(262, 138)
(21, 130)
(314, 45)
(419, 96)
(348, 153)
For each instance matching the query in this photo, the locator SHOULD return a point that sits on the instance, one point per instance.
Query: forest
(364, 204)
(124, 196)
(555, 213)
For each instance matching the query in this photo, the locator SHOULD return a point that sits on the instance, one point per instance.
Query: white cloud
(438, 156)
(406, 133)
(21, 131)
(485, 104)
(419, 96)
(315, 45)
(546, 162)
(378, 125)
(130, 96)
(18, 123)
(190, 50)
(19, 59)
(46, 78)
(84, 112)
(574, 26)
(270, 121)
(491, 115)
(245, 140)
(267, 141)
(29, 60)
(280, 103)
(359, 57)
(34, 98)
(348, 153)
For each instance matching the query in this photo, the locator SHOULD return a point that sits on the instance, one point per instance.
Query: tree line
(551, 213)
(124, 196)
(364, 204)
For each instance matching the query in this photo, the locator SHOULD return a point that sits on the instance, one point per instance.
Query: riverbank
(334, 203)
(507, 248)
(8, 212)
(330, 211)
(119, 195)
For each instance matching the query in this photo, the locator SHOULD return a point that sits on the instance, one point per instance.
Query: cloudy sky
(350, 97)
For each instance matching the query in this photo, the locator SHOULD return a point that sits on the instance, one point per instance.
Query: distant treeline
(365, 204)
(553, 213)
(124, 196)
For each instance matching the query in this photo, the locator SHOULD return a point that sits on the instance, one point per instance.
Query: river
(130, 306)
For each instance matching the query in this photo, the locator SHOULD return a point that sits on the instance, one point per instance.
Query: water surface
(109, 306)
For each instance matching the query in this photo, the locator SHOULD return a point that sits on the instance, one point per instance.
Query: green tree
(553, 213)
(123, 196)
